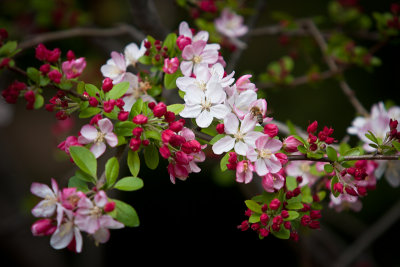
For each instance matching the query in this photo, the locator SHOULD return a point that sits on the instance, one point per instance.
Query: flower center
(305, 167)
(50, 200)
(96, 212)
(99, 138)
(245, 166)
(239, 135)
(197, 59)
(201, 85)
(206, 104)
(144, 86)
(265, 153)
(66, 229)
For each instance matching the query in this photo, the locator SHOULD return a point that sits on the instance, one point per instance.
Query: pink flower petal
(224, 144)
(89, 132)
(98, 149)
(105, 125)
(41, 190)
(112, 139)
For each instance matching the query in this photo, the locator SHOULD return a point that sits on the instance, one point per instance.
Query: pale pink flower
(205, 105)
(197, 54)
(133, 53)
(240, 138)
(115, 68)
(272, 182)
(73, 68)
(89, 134)
(345, 201)
(69, 141)
(264, 155)
(184, 30)
(240, 103)
(90, 218)
(301, 168)
(177, 170)
(171, 65)
(197, 157)
(134, 92)
(244, 84)
(48, 206)
(230, 24)
(244, 171)
(66, 232)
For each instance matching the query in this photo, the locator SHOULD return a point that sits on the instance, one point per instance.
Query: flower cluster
(67, 212)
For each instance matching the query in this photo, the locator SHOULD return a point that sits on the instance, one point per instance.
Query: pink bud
(271, 130)
(166, 136)
(314, 225)
(264, 219)
(109, 207)
(183, 158)
(282, 158)
(93, 101)
(312, 128)
(95, 119)
(140, 119)
(192, 146)
(177, 140)
(43, 227)
(55, 76)
(290, 144)
(164, 151)
(182, 41)
(169, 116)
(70, 55)
(108, 106)
(134, 144)
(45, 68)
(287, 225)
(146, 142)
(123, 115)
(151, 105)
(305, 220)
(171, 65)
(41, 52)
(137, 131)
(54, 55)
(221, 128)
(177, 126)
(244, 225)
(160, 109)
(107, 85)
(275, 204)
(264, 232)
(5, 62)
(284, 214)
(315, 214)
(120, 103)
(255, 227)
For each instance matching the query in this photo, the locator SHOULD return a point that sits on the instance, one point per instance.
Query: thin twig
(333, 67)
(346, 158)
(122, 29)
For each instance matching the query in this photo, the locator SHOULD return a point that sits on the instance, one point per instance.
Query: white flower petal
(41, 190)
(62, 236)
(204, 119)
(231, 123)
(241, 148)
(98, 149)
(219, 111)
(105, 125)
(224, 144)
(89, 132)
(190, 111)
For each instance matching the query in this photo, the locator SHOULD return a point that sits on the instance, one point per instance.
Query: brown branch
(319, 38)
(346, 158)
(122, 29)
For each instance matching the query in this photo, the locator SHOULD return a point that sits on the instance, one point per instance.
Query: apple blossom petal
(183, 82)
(193, 167)
(62, 236)
(185, 30)
(186, 67)
(188, 134)
(209, 56)
(78, 240)
(267, 183)
(231, 123)
(194, 95)
(252, 155)
(84, 203)
(105, 125)
(100, 199)
(110, 71)
(224, 144)
(89, 132)
(215, 93)
(261, 167)
(102, 235)
(41, 190)
(54, 186)
(273, 164)
(241, 148)
(98, 149)
(188, 53)
(248, 177)
(129, 101)
(248, 124)
(201, 35)
(251, 137)
(202, 73)
(204, 119)
(190, 111)
(273, 145)
(112, 139)
(44, 208)
(107, 221)
(119, 60)
(219, 111)
(197, 47)
(212, 47)
(262, 141)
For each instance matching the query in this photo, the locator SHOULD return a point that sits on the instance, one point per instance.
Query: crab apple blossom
(115, 69)
(171, 65)
(239, 138)
(264, 155)
(273, 181)
(132, 53)
(73, 68)
(290, 144)
(48, 206)
(244, 172)
(230, 24)
(302, 169)
(197, 54)
(185, 31)
(89, 134)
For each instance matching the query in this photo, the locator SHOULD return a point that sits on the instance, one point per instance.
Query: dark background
(196, 220)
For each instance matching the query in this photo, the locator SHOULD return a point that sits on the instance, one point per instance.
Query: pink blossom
(264, 155)
(70, 141)
(230, 24)
(89, 134)
(244, 172)
(197, 54)
(43, 227)
(48, 206)
(290, 144)
(301, 168)
(171, 65)
(244, 84)
(272, 182)
(73, 68)
(66, 233)
(179, 171)
(345, 201)
(185, 31)
(115, 68)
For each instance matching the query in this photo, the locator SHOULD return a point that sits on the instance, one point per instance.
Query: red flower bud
(55, 76)
(305, 220)
(264, 219)
(109, 207)
(220, 128)
(70, 55)
(151, 105)
(160, 109)
(164, 151)
(275, 204)
(315, 214)
(140, 119)
(271, 130)
(169, 116)
(123, 115)
(264, 232)
(137, 131)
(312, 128)
(284, 214)
(177, 126)
(134, 144)
(107, 85)
(45, 68)
(93, 101)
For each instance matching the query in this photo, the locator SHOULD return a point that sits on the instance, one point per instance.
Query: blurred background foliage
(196, 218)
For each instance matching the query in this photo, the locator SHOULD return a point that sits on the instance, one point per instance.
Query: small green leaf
(91, 89)
(84, 176)
(80, 89)
(216, 138)
(170, 42)
(176, 108)
(136, 108)
(328, 168)
(253, 206)
(334, 181)
(112, 171)
(151, 157)
(300, 139)
(292, 215)
(224, 161)
(254, 218)
(353, 152)
(153, 135)
(133, 162)
(129, 184)
(33, 74)
(79, 184)
(124, 128)
(302, 149)
(332, 154)
(39, 101)
(125, 214)
(372, 137)
(321, 195)
(396, 145)
(89, 112)
(84, 159)
(118, 90)
(7, 48)
(283, 233)
(170, 79)
(291, 183)
(294, 206)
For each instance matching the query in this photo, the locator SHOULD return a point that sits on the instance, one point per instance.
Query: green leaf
(372, 137)
(125, 214)
(112, 171)
(129, 184)
(396, 145)
(294, 206)
(170, 41)
(91, 89)
(151, 156)
(33, 74)
(89, 112)
(39, 101)
(283, 233)
(153, 135)
(291, 183)
(216, 138)
(8, 48)
(254, 218)
(146, 60)
(300, 139)
(124, 128)
(306, 192)
(353, 152)
(302, 149)
(80, 88)
(176, 108)
(224, 161)
(79, 184)
(292, 215)
(253, 206)
(118, 90)
(84, 159)
(170, 79)
(321, 195)
(328, 168)
(136, 108)
(84, 177)
(334, 181)
(133, 162)
(332, 154)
